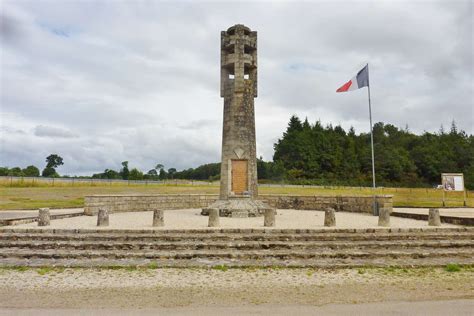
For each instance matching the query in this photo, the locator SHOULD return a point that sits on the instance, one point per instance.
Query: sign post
(453, 182)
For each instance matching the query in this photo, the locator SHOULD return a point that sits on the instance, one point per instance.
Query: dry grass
(65, 195)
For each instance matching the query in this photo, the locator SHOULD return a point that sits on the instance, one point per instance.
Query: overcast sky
(100, 82)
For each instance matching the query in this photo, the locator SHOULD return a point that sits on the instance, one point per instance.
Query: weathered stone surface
(329, 217)
(238, 88)
(384, 217)
(238, 207)
(43, 217)
(103, 217)
(158, 218)
(142, 203)
(433, 217)
(269, 218)
(318, 247)
(213, 218)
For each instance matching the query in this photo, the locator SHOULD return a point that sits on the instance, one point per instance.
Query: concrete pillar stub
(103, 217)
(329, 217)
(213, 217)
(384, 217)
(269, 218)
(158, 218)
(433, 217)
(44, 217)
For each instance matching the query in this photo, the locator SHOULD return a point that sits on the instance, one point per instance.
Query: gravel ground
(177, 288)
(191, 219)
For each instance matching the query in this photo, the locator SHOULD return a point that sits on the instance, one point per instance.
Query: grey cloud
(139, 81)
(49, 131)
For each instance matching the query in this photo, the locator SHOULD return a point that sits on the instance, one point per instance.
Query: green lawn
(65, 196)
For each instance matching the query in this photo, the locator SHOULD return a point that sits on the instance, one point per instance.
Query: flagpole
(371, 142)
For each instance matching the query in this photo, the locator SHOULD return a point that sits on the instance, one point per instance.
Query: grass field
(66, 195)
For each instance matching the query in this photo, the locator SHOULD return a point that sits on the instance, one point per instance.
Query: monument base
(238, 207)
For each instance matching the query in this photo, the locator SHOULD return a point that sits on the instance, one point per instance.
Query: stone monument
(238, 184)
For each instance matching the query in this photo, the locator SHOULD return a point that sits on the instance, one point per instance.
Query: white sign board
(452, 181)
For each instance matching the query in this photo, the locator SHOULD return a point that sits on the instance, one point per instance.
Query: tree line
(327, 155)
(52, 162)
(313, 153)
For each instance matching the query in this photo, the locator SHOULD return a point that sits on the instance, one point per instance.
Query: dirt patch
(151, 288)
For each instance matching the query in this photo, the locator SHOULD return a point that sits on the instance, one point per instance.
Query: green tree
(49, 172)
(31, 171)
(171, 172)
(135, 174)
(15, 172)
(54, 161)
(163, 175)
(125, 172)
(4, 171)
(152, 172)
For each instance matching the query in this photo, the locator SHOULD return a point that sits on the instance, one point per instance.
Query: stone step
(250, 255)
(199, 237)
(230, 231)
(237, 245)
(243, 263)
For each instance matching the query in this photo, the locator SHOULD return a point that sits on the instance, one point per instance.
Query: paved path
(192, 219)
(433, 308)
(17, 214)
(458, 212)
(459, 216)
(16, 217)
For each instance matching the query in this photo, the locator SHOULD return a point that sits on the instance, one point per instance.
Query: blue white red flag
(359, 81)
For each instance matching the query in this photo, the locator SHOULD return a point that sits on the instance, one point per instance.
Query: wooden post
(465, 197)
(444, 198)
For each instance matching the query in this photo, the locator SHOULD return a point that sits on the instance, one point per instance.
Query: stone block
(103, 217)
(269, 218)
(158, 218)
(213, 217)
(239, 214)
(433, 217)
(43, 217)
(384, 217)
(329, 217)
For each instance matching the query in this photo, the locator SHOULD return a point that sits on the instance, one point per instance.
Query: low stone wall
(137, 203)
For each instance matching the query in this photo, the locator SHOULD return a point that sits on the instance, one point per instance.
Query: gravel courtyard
(191, 219)
(195, 288)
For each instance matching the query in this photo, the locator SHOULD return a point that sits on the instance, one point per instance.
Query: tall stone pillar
(238, 185)
(238, 88)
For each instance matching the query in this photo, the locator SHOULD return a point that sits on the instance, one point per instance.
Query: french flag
(359, 81)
